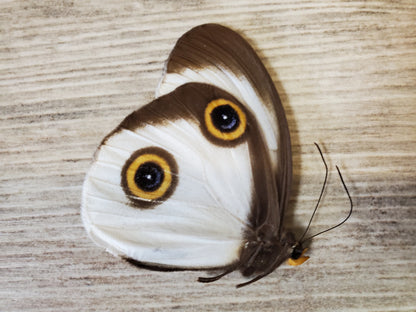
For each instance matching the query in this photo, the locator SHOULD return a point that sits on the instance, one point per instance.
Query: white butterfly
(200, 177)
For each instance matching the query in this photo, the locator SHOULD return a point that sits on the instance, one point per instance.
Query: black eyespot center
(149, 176)
(225, 118)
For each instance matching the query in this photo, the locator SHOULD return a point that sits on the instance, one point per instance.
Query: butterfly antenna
(349, 214)
(320, 196)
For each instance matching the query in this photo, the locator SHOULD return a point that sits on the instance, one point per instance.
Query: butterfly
(200, 177)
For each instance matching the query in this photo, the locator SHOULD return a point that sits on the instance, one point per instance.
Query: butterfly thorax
(265, 250)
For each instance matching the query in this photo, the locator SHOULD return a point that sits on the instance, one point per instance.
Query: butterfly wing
(200, 223)
(218, 191)
(214, 54)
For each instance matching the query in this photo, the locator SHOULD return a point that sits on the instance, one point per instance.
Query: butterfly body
(200, 177)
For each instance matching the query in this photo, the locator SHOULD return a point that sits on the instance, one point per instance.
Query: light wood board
(70, 71)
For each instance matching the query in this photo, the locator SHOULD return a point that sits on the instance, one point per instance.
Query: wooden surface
(346, 71)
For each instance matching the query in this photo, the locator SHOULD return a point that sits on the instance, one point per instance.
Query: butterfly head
(297, 256)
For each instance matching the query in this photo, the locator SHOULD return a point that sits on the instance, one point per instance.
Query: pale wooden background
(346, 71)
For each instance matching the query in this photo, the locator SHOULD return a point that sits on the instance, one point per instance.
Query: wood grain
(346, 71)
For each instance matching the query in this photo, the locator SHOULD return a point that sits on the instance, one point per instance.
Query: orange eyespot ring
(147, 175)
(225, 120)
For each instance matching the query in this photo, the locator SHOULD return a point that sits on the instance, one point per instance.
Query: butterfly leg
(216, 277)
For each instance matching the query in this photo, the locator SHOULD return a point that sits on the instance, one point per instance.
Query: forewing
(216, 55)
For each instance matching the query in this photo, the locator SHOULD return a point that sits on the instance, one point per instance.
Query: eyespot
(225, 120)
(149, 175)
